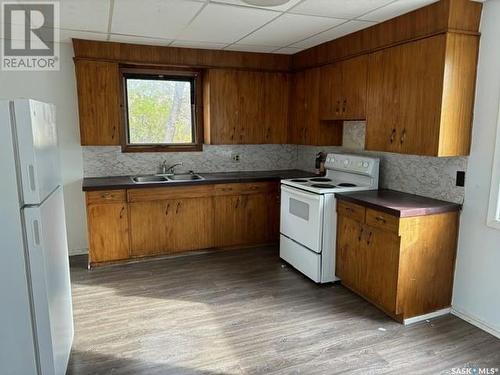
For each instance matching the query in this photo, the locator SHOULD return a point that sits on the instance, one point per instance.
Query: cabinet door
(331, 92)
(169, 226)
(108, 232)
(297, 108)
(99, 94)
(353, 92)
(246, 219)
(348, 262)
(274, 110)
(383, 105)
(380, 253)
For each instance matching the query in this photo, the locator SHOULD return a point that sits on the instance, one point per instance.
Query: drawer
(106, 196)
(246, 188)
(352, 210)
(382, 220)
(170, 192)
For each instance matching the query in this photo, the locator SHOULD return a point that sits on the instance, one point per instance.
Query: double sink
(160, 178)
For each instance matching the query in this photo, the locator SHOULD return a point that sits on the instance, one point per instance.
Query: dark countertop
(399, 204)
(125, 182)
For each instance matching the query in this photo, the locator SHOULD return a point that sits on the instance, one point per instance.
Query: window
(494, 206)
(160, 110)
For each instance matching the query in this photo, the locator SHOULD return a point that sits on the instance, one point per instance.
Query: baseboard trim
(476, 322)
(78, 252)
(431, 315)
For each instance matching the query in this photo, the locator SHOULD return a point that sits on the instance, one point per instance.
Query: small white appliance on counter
(36, 312)
(308, 213)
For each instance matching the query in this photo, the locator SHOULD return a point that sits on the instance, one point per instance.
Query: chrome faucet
(166, 170)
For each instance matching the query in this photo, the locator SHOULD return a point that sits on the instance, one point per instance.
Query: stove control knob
(365, 164)
(346, 162)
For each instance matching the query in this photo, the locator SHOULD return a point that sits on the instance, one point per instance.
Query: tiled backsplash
(422, 175)
(110, 161)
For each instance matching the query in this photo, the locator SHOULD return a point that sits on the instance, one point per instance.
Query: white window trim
(494, 205)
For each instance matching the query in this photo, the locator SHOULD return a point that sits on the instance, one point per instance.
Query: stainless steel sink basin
(185, 177)
(148, 179)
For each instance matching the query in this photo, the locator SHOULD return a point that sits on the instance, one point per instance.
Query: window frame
(196, 94)
(494, 203)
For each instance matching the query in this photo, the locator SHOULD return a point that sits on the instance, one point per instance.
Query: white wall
(477, 278)
(58, 88)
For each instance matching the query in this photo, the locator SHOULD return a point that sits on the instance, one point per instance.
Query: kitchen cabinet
(245, 107)
(403, 265)
(305, 126)
(420, 96)
(98, 86)
(170, 226)
(107, 217)
(125, 224)
(246, 214)
(343, 90)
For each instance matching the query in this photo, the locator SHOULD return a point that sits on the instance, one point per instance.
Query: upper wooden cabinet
(305, 126)
(98, 85)
(343, 90)
(245, 107)
(420, 96)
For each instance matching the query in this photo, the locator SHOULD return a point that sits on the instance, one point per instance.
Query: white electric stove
(308, 213)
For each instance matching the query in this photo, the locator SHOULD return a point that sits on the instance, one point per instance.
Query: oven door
(302, 217)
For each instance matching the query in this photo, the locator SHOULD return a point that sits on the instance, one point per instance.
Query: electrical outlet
(235, 158)
(460, 178)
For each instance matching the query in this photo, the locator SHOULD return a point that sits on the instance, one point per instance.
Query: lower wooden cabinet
(108, 232)
(153, 221)
(169, 226)
(402, 265)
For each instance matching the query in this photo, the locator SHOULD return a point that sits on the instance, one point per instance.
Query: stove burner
(298, 180)
(320, 179)
(346, 184)
(325, 186)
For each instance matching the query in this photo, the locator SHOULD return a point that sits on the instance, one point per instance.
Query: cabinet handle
(106, 196)
(349, 209)
(177, 208)
(337, 108)
(121, 212)
(113, 133)
(393, 135)
(361, 234)
(380, 219)
(369, 238)
(344, 105)
(168, 208)
(237, 203)
(234, 131)
(403, 136)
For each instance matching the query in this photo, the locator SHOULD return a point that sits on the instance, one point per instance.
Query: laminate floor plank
(246, 312)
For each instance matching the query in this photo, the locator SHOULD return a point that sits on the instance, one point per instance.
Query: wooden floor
(245, 312)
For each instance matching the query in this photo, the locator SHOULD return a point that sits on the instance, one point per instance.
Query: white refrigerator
(36, 316)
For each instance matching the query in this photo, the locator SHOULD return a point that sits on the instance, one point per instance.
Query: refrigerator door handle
(31, 174)
(36, 232)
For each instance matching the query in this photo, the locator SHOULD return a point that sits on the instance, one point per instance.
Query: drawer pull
(360, 234)
(380, 219)
(121, 212)
(106, 196)
(349, 209)
(168, 208)
(177, 208)
(369, 238)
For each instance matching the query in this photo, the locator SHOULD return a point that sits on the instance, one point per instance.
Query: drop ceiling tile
(88, 15)
(334, 33)
(153, 18)
(395, 9)
(225, 24)
(203, 45)
(250, 48)
(347, 9)
(133, 39)
(280, 8)
(288, 50)
(290, 28)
